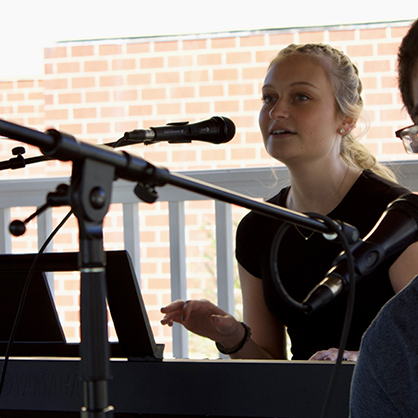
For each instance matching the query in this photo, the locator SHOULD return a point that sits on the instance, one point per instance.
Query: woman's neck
(320, 190)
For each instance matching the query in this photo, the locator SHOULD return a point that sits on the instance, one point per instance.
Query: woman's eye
(266, 98)
(301, 97)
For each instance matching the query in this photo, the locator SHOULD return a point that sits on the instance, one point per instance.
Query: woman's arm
(268, 338)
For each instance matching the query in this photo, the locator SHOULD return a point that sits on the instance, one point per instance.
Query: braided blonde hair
(347, 87)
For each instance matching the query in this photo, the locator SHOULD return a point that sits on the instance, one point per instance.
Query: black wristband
(235, 349)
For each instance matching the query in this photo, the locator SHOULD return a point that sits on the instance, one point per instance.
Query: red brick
(36, 96)
(56, 83)
(184, 155)
(25, 109)
(25, 84)
(125, 95)
(96, 66)
(85, 113)
(112, 112)
(399, 32)
(14, 97)
(164, 46)
(138, 48)
(98, 97)
(56, 114)
(360, 50)
(390, 82)
(225, 74)
(83, 82)
(308, 37)
(68, 67)
(155, 62)
(209, 59)
(391, 114)
(342, 35)
(196, 76)
(48, 69)
(153, 94)
(281, 39)
(243, 153)
(55, 52)
(138, 79)
(378, 66)
(197, 107)
(69, 98)
(252, 105)
(388, 48)
(126, 126)
(182, 92)
(167, 77)
(252, 40)
(180, 61)
(240, 89)
(378, 99)
(6, 85)
(226, 106)
(254, 73)
(124, 64)
(111, 81)
(265, 56)
(223, 42)
(393, 148)
(140, 110)
(74, 128)
(375, 33)
(194, 44)
(169, 109)
(82, 50)
(238, 57)
(98, 128)
(211, 91)
(379, 132)
(110, 49)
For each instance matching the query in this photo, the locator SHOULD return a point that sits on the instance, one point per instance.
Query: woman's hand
(205, 319)
(332, 355)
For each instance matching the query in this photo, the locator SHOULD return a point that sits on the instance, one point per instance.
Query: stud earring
(342, 131)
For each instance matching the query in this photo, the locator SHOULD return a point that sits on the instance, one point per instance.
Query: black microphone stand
(94, 170)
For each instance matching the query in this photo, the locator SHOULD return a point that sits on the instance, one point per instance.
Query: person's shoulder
(396, 315)
(381, 184)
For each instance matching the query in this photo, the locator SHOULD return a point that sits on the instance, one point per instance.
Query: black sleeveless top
(303, 263)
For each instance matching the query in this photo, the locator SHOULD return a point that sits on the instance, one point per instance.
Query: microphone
(216, 130)
(396, 229)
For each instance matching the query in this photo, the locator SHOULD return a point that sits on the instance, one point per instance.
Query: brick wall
(97, 90)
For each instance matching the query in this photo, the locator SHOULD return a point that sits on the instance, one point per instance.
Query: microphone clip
(61, 197)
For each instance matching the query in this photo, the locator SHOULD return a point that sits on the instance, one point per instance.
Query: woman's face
(298, 119)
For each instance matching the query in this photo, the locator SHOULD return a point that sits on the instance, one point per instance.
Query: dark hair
(407, 57)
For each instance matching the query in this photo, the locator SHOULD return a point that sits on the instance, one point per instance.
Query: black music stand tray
(40, 333)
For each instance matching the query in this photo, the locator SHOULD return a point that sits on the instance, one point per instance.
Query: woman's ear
(346, 125)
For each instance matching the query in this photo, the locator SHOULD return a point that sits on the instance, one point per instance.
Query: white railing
(254, 183)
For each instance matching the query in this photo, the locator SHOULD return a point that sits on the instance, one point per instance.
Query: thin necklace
(306, 237)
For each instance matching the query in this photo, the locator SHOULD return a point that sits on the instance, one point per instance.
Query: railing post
(178, 272)
(6, 239)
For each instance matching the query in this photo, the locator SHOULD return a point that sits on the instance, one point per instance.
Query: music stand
(40, 332)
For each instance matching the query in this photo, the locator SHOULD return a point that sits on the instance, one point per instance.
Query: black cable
(23, 298)
(350, 300)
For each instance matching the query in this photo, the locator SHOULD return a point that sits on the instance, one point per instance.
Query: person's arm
(268, 336)
(405, 268)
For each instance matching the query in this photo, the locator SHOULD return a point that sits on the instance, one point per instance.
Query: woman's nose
(279, 110)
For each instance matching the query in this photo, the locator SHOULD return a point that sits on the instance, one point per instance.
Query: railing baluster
(178, 272)
(6, 239)
(131, 235)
